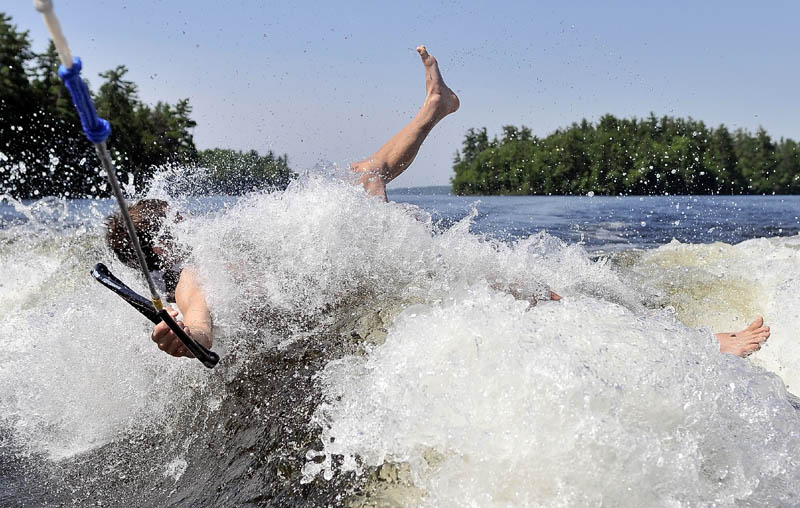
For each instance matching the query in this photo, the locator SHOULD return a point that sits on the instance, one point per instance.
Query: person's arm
(196, 322)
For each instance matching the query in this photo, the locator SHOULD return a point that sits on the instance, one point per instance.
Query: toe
(750, 349)
(757, 323)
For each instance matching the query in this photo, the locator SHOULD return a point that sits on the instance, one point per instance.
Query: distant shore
(616, 156)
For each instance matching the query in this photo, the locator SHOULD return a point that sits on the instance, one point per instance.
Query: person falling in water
(392, 159)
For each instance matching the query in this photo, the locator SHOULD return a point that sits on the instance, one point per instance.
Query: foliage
(44, 152)
(234, 172)
(627, 156)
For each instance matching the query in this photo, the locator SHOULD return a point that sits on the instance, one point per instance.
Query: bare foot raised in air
(745, 342)
(440, 101)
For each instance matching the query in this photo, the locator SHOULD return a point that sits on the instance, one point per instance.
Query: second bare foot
(439, 98)
(745, 342)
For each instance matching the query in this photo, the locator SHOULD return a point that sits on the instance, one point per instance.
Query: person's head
(149, 217)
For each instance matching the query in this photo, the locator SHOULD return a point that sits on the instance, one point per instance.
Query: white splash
(572, 403)
(724, 286)
(594, 400)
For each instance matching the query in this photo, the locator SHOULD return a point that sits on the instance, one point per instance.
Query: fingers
(161, 328)
(175, 343)
(166, 339)
(162, 333)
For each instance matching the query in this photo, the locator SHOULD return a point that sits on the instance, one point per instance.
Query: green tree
(43, 150)
(236, 172)
(15, 108)
(787, 172)
(757, 160)
(663, 155)
(721, 162)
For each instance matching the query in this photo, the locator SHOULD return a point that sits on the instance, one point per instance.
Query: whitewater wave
(576, 403)
(723, 286)
(370, 352)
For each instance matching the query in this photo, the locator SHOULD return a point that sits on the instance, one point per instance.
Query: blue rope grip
(96, 129)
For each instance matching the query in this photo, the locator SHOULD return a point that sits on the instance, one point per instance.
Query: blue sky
(331, 81)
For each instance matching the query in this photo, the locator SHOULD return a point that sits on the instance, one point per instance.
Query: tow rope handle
(103, 275)
(98, 130)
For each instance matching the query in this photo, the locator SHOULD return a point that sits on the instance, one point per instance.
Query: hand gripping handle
(96, 129)
(206, 356)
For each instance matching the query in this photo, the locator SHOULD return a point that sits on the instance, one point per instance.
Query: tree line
(619, 156)
(44, 152)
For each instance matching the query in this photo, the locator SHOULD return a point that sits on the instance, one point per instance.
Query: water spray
(98, 130)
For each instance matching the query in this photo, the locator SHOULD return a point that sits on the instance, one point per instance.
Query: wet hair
(148, 217)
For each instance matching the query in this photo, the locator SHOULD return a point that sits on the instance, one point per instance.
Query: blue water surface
(608, 223)
(601, 223)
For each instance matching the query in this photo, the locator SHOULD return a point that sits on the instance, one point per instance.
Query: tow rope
(98, 130)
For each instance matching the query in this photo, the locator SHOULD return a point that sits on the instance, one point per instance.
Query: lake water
(601, 223)
(374, 354)
(617, 223)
